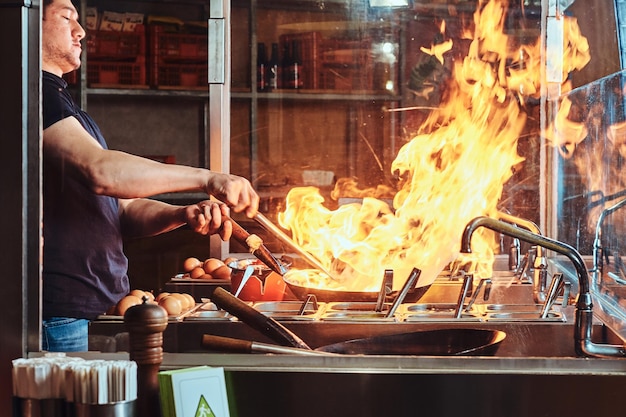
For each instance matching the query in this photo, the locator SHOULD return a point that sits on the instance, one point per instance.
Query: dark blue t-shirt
(84, 266)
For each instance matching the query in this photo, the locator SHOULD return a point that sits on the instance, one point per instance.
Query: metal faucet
(584, 307)
(597, 242)
(534, 260)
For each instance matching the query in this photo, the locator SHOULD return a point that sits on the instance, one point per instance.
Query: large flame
(453, 170)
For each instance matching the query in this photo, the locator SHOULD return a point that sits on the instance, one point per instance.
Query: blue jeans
(64, 334)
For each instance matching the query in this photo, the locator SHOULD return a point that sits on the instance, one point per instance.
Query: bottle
(285, 65)
(273, 69)
(261, 68)
(294, 68)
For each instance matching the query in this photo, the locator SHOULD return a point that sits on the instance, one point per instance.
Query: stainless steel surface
(584, 313)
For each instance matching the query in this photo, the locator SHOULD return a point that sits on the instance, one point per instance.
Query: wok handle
(226, 344)
(232, 345)
(241, 235)
(253, 318)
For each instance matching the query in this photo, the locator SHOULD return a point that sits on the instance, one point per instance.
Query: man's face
(60, 37)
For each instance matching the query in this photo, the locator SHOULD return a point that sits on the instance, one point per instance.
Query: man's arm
(143, 217)
(126, 176)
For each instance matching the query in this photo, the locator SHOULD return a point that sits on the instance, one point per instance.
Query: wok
(301, 292)
(440, 342)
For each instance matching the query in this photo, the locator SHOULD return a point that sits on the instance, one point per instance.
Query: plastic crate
(180, 75)
(116, 46)
(116, 74)
(177, 47)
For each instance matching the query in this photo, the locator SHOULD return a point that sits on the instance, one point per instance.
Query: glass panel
(363, 91)
(590, 131)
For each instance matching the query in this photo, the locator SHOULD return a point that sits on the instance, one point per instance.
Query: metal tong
(280, 235)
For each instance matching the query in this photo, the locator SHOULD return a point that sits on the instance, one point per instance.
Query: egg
(126, 303)
(150, 296)
(222, 272)
(184, 301)
(190, 263)
(211, 265)
(191, 301)
(138, 293)
(172, 305)
(206, 276)
(161, 296)
(197, 272)
(229, 261)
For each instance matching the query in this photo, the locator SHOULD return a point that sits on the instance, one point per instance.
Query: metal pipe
(597, 242)
(584, 313)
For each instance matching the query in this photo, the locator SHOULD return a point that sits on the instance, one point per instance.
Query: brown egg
(223, 272)
(190, 263)
(138, 293)
(161, 296)
(211, 265)
(126, 303)
(206, 276)
(150, 296)
(191, 302)
(184, 301)
(172, 305)
(197, 272)
(229, 261)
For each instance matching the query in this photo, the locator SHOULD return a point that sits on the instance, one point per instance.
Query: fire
(453, 170)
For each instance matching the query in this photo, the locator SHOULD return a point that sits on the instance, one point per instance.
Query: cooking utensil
(263, 285)
(408, 285)
(326, 295)
(247, 273)
(261, 252)
(385, 289)
(467, 284)
(253, 318)
(440, 342)
(232, 345)
(280, 235)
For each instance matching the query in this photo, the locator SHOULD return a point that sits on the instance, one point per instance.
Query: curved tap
(597, 242)
(584, 312)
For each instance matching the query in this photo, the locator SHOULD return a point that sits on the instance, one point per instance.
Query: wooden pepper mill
(145, 324)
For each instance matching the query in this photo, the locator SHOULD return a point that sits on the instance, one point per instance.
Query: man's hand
(235, 191)
(209, 217)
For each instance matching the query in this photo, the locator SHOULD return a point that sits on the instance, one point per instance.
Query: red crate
(177, 47)
(117, 46)
(180, 75)
(116, 74)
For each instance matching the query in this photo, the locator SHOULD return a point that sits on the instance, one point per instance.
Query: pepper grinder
(145, 324)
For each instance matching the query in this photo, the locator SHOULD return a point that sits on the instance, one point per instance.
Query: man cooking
(94, 197)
